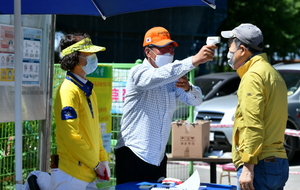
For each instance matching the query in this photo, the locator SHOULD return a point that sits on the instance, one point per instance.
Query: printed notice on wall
(31, 56)
(7, 54)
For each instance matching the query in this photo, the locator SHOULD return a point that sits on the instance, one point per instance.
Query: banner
(102, 80)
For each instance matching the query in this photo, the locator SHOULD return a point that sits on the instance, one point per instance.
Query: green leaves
(278, 20)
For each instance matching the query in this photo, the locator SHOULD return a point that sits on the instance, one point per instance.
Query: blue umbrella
(104, 8)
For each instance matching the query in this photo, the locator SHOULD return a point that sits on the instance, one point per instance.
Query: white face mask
(161, 60)
(231, 63)
(92, 63)
(230, 56)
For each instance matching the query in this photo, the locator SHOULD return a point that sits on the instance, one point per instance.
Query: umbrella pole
(18, 90)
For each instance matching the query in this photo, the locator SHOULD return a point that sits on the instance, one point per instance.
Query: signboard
(119, 90)
(33, 89)
(7, 54)
(102, 80)
(31, 55)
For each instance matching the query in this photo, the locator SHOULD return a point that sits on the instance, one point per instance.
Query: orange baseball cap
(158, 36)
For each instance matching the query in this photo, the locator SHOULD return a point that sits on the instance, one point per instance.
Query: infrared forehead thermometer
(213, 40)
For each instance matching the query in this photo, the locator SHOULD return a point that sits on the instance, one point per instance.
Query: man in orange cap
(151, 93)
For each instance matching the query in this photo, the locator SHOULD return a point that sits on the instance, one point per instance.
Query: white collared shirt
(149, 105)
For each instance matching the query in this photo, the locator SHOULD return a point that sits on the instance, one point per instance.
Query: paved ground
(180, 170)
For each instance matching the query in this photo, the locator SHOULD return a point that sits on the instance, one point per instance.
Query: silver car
(212, 85)
(221, 110)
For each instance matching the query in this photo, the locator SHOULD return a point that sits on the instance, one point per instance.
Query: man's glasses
(164, 49)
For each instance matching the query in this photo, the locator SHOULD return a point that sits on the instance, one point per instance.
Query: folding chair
(226, 171)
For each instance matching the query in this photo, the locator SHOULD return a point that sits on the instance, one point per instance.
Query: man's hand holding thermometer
(207, 52)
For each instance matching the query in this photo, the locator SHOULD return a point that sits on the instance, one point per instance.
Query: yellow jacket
(78, 136)
(261, 114)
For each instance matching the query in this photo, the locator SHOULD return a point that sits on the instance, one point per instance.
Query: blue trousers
(268, 175)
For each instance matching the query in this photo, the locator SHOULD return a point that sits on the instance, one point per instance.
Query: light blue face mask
(92, 63)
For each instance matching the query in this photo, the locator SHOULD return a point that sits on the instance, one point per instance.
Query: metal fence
(31, 129)
(7, 151)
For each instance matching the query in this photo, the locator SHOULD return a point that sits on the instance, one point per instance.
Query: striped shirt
(149, 105)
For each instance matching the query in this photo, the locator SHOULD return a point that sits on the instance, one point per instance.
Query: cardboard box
(190, 140)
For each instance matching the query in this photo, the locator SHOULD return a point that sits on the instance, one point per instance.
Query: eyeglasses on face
(165, 49)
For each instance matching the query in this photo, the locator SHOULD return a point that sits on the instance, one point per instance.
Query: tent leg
(45, 127)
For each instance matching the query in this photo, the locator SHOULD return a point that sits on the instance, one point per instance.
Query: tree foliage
(279, 21)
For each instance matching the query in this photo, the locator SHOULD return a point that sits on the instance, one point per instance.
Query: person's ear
(147, 52)
(243, 50)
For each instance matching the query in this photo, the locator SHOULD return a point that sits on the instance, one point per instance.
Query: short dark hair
(238, 42)
(69, 62)
(148, 46)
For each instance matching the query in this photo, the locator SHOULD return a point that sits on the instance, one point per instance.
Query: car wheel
(290, 144)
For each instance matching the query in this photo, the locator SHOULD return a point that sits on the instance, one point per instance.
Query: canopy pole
(45, 128)
(98, 9)
(18, 90)
(210, 4)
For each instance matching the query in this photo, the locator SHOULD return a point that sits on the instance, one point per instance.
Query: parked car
(217, 84)
(212, 85)
(218, 111)
(221, 111)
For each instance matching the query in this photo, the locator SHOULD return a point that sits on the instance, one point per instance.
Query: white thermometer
(213, 40)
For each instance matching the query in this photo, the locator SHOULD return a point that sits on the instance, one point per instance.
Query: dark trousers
(130, 167)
